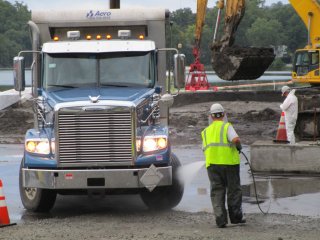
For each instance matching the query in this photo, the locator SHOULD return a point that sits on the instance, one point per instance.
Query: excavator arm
(309, 12)
(234, 12)
(201, 14)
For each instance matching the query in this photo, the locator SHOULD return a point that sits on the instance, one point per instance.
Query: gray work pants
(225, 179)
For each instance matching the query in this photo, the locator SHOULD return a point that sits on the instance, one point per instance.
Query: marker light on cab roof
(55, 38)
(141, 37)
(108, 37)
(98, 37)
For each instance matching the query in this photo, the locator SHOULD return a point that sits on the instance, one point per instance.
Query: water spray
(187, 173)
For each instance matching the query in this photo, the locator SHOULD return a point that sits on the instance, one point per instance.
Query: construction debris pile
(252, 121)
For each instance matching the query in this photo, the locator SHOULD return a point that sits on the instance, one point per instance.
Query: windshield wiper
(58, 85)
(112, 85)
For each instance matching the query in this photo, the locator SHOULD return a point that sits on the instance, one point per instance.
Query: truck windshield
(123, 69)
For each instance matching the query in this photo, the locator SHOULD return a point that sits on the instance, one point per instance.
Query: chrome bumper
(97, 178)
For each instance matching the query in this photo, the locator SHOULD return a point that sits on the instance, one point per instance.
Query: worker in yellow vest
(221, 147)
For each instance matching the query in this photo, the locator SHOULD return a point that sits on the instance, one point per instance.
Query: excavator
(228, 61)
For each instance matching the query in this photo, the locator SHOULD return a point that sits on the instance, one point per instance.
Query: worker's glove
(239, 147)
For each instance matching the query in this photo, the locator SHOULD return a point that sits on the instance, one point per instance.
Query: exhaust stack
(114, 4)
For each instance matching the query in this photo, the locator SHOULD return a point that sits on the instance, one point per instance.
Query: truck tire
(36, 199)
(163, 198)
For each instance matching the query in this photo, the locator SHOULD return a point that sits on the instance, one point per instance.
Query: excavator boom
(309, 12)
(201, 13)
(233, 62)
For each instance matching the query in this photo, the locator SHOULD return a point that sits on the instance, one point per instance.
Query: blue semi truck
(100, 108)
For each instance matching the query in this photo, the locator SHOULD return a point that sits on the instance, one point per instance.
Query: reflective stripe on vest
(216, 147)
(220, 144)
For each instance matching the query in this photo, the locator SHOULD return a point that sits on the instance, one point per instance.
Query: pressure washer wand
(254, 186)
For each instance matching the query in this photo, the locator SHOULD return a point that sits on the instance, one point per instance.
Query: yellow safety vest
(216, 147)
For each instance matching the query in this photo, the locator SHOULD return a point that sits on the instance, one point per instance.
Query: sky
(104, 4)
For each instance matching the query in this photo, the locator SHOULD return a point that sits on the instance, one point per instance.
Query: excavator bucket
(232, 62)
(241, 63)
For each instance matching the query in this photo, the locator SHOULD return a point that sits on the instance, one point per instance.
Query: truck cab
(100, 112)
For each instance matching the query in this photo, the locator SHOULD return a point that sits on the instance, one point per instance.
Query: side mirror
(179, 70)
(19, 73)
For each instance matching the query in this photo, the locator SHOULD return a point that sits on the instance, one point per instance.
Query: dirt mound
(266, 114)
(15, 121)
(252, 121)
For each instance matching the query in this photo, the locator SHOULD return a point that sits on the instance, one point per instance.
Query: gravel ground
(163, 225)
(252, 120)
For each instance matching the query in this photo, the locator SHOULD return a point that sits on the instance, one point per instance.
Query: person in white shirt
(290, 109)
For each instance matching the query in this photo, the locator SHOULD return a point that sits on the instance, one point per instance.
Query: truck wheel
(162, 198)
(36, 199)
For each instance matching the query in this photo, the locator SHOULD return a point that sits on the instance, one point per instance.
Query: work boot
(242, 220)
(221, 221)
(236, 216)
(222, 225)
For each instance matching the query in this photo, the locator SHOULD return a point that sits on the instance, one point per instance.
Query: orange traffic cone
(282, 132)
(4, 216)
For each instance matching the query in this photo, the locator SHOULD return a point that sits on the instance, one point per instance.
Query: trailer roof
(100, 46)
(96, 16)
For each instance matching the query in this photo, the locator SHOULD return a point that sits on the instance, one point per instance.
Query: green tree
(14, 35)
(183, 17)
(265, 33)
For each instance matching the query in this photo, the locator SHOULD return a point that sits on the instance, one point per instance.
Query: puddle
(290, 195)
(282, 187)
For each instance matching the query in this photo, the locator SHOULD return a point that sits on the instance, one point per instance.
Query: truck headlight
(40, 146)
(154, 143)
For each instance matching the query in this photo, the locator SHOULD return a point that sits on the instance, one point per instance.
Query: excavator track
(241, 63)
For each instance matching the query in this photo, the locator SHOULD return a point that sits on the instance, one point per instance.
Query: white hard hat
(284, 89)
(216, 108)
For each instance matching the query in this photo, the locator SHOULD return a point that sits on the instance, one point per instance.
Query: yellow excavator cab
(306, 68)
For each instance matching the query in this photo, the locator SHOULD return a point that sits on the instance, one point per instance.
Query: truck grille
(94, 138)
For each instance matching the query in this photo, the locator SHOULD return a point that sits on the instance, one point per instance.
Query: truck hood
(132, 94)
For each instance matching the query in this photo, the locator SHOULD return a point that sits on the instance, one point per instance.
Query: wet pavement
(297, 195)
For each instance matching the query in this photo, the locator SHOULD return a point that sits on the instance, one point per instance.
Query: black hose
(255, 188)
